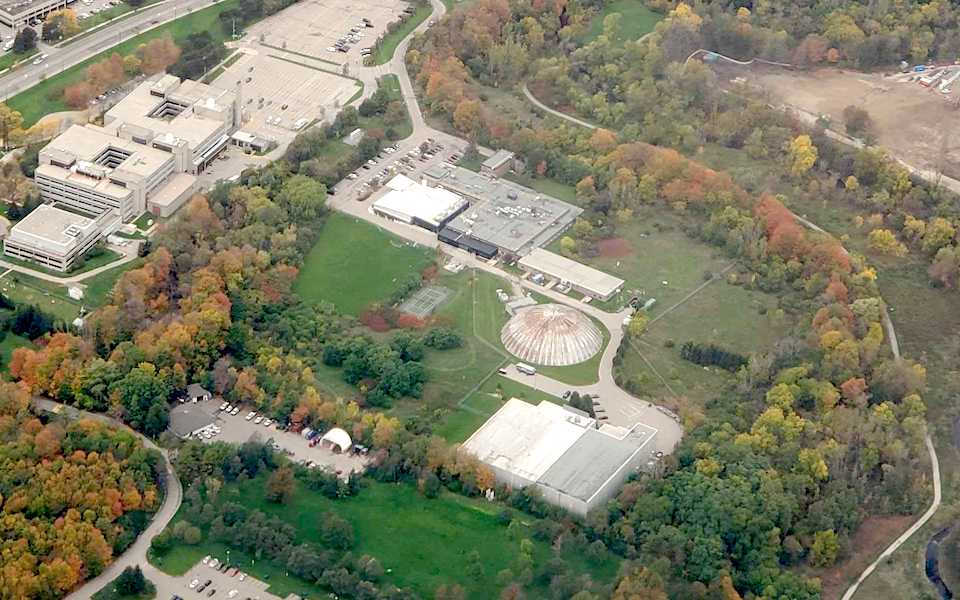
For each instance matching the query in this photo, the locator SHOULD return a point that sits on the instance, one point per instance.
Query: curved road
(136, 554)
(894, 349)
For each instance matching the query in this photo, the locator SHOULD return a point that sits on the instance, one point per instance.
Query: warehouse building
(586, 280)
(190, 120)
(55, 238)
(574, 462)
(17, 13)
(507, 216)
(417, 204)
(189, 420)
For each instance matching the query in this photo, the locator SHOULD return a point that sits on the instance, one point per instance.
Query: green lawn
(421, 543)
(388, 45)
(458, 425)
(355, 263)
(544, 185)
(658, 251)
(47, 96)
(145, 221)
(636, 20)
(9, 58)
(10, 343)
(48, 296)
(98, 287)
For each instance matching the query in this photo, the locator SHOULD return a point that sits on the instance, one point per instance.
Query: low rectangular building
(586, 280)
(499, 164)
(506, 215)
(417, 204)
(575, 462)
(55, 238)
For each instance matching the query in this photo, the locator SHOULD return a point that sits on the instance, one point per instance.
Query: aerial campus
(478, 299)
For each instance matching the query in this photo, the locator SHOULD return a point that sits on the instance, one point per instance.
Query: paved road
(83, 48)
(129, 254)
(556, 113)
(136, 554)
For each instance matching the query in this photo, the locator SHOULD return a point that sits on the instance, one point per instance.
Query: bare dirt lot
(910, 120)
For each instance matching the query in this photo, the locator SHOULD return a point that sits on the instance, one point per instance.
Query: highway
(72, 53)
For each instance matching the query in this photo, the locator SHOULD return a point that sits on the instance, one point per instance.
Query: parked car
(235, 411)
(211, 592)
(257, 420)
(251, 415)
(194, 583)
(267, 422)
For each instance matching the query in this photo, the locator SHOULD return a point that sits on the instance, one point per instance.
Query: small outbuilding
(197, 393)
(337, 439)
(499, 164)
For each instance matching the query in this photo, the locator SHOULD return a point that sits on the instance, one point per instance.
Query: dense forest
(74, 496)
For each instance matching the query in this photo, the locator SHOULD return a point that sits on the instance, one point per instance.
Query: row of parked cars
(222, 567)
(352, 37)
(258, 419)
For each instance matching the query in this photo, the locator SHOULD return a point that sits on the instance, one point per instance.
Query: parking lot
(223, 584)
(282, 93)
(312, 26)
(236, 429)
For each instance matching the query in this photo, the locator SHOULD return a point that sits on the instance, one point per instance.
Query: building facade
(17, 13)
(55, 238)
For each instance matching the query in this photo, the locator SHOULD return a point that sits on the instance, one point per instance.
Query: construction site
(908, 108)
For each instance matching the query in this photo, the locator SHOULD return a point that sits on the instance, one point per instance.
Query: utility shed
(584, 279)
(575, 462)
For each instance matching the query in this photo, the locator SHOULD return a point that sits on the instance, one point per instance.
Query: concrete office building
(56, 238)
(586, 280)
(188, 119)
(17, 13)
(574, 462)
(89, 169)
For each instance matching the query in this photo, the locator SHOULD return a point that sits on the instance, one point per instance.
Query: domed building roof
(337, 437)
(552, 335)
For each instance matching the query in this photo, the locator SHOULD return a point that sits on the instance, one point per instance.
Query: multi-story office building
(56, 238)
(17, 13)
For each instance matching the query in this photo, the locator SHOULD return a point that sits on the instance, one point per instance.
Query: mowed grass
(47, 296)
(460, 424)
(97, 289)
(636, 20)
(354, 264)
(47, 96)
(421, 543)
(388, 46)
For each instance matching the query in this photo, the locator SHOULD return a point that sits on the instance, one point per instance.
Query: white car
(331, 49)
(232, 594)
(242, 576)
(250, 415)
(224, 405)
(206, 559)
(214, 563)
(257, 420)
(235, 411)
(194, 583)
(267, 422)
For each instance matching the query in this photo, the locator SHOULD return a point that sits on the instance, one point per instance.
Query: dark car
(211, 592)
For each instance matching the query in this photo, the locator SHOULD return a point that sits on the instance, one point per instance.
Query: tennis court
(425, 300)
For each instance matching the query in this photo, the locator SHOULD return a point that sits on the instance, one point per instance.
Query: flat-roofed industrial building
(586, 280)
(17, 13)
(574, 461)
(416, 204)
(57, 238)
(510, 217)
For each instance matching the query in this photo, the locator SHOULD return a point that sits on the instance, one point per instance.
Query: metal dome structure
(551, 334)
(337, 438)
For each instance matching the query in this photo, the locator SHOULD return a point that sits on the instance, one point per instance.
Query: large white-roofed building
(584, 279)
(418, 204)
(57, 238)
(572, 460)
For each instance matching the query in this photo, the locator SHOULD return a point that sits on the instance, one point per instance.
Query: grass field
(544, 185)
(354, 264)
(421, 543)
(388, 45)
(108, 256)
(732, 317)
(480, 405)
(48, 296)
(47, 96)
(98, 287)
(636, 20)
(9, 58)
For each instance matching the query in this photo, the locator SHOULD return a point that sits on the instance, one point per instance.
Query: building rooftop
(187, 418)
(579, 274)
(173, 190)
(496, 161)
(174, 111)
(408, 200)
(17, 7)
(510, 216)
(55, 228)
(557, 447)
(82, 148)
(551, 334)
